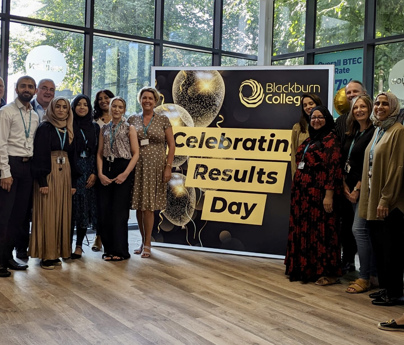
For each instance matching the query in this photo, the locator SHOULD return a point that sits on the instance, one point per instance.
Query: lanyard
(379, 135)
(305, 150)
(62, 142)
(113, 133)
(353, 143)
(25, 127)
(84, 137)
(146, 128)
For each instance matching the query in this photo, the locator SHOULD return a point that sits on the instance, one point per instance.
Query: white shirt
(13, 141)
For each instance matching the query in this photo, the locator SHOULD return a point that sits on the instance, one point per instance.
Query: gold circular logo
(257, 95)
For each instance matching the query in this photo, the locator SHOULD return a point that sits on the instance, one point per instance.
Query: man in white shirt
(18, 123)
(44, 95)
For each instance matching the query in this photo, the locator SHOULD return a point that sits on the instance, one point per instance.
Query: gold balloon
(180, 201)
(178, 117)
(166, 225)
(201, 93)
(341, 104)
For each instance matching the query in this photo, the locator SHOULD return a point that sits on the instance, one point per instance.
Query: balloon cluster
(198, 97)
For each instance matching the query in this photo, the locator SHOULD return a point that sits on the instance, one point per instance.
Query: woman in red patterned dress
(313, 250)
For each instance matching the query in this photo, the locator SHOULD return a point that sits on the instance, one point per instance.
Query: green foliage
(289, 26)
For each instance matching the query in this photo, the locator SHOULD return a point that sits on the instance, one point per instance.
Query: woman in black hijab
(84, 201)
(313, 250)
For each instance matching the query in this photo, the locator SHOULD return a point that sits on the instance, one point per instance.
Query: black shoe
(390, 326)
(4, 273)
(77, 256)
(47, 264)
(22, 255)
(385, 301)
(14, 265)
(56, 262)
(378, 294)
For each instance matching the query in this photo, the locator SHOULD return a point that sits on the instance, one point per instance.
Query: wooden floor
(182, 297)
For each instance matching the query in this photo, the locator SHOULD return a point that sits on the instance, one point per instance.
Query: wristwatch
(356, 189)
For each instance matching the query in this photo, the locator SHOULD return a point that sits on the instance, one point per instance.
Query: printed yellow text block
(233, 207)
(237, 175)
(262, 144)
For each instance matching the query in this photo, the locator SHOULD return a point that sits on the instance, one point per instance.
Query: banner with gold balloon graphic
(230, 187)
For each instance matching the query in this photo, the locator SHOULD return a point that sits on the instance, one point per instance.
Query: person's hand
(105, 181)
(74, 191)
(91, 181)
(44, 190)
(346, 190)
(167, 174)
(6, 183)
(354, 196)
(121, 178)
(327, 202)
(382, 212)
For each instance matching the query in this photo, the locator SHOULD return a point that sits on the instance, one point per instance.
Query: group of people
(65, 166)
(348, 193)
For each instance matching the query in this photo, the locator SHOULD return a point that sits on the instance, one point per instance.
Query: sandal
(358, 286)
(117, 258)
(139, 250)
(323, 281)
(107, 257)
(146, 253)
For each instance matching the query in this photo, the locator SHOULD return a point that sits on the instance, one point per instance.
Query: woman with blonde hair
(359, 133)
(153, 170)
(118, 152)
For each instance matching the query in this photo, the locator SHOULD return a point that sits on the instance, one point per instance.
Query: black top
(340, 127)
(46, 140)
(357, 156)
(90, 148)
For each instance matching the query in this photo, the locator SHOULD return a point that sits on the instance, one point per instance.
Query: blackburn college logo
(257, 93)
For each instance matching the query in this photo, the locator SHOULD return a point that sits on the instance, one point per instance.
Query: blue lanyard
(305, 150)
(62, 142)
(146, 128)
(353, 143)
(375, 142)
(84, 137)
(113, 133)
(25, 127)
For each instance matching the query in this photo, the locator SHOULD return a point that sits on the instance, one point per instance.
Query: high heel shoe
(75, 255)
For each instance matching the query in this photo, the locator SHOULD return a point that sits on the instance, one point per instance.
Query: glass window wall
(240, 26)
(289, 26)
(339, 22)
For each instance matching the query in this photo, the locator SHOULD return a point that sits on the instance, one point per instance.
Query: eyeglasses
(46, 89)
(318, 118)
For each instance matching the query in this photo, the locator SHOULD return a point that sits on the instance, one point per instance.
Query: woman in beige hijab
(54, 173)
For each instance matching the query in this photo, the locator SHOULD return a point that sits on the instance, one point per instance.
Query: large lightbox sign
(348, 65)
(230, 191)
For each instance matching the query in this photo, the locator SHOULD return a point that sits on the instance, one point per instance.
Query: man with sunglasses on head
(44, 95)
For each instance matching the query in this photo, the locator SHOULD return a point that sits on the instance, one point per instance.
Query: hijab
(319, 134)
(394, 112)
(57, 122)
(84, 125)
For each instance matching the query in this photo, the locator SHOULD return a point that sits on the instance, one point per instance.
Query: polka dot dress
(149, 191)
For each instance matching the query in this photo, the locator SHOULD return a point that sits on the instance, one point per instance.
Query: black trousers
(113, 215)
(388, 244)
(14, 206)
